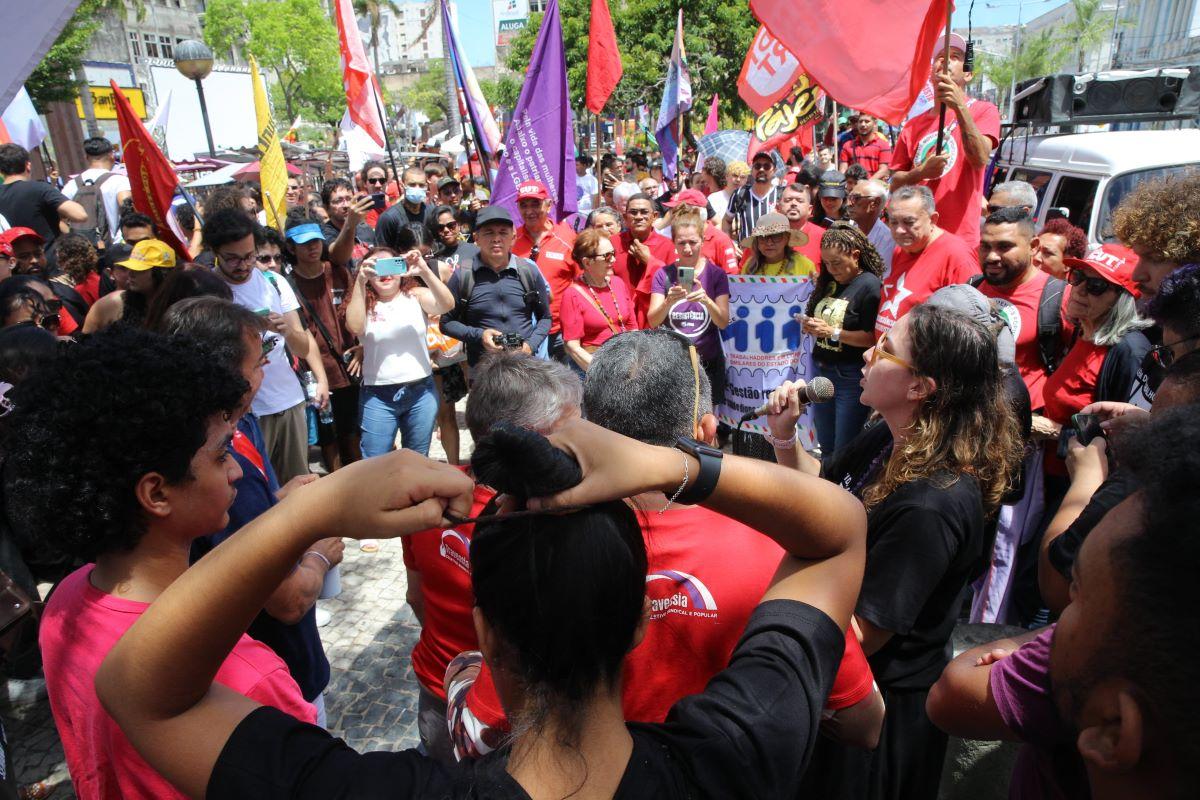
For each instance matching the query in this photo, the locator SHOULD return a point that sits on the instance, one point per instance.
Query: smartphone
(687, 277)
(380, 200)
(1087, 426)
(391, 266)
(263, 312)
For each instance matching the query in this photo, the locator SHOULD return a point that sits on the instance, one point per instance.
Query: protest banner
(767, 73)
(794, 113)
(764, 346)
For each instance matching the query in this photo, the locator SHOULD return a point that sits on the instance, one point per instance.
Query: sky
(476, 32)
(1001, 12)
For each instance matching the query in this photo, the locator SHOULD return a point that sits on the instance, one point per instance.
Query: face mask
(414, 194)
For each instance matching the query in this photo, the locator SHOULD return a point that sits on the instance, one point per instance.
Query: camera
(509, 341)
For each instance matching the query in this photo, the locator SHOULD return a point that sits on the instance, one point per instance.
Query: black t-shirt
(749, 733)
(32, 204)
(923, 542)
(463, 254)
(387, 227)
(852, 307)
(362, 233)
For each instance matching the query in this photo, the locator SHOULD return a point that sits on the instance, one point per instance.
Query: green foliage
(53, 79)
(428, 94)
(1038, 55)
(716, 35)
(295, 41)
(373, 10)
(503, 91)
(1088, 29)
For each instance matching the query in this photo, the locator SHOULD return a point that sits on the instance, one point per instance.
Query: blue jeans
(410, 408)
(840, 420)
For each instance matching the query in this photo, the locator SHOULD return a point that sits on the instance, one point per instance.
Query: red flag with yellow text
(152, 179)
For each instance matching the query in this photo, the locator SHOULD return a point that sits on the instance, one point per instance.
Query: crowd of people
(650, 604)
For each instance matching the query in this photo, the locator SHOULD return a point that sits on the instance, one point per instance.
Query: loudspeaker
(1118, 96)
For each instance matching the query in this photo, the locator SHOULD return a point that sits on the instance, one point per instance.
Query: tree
(503, 91)
(1088, 28)
(1038, 55)
(294, 41)
(45, 84)
(428, 94)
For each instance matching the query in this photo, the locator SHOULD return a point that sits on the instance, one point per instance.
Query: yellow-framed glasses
(879, 352)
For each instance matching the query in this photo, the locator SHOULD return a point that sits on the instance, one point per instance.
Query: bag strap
(320, 326)
(592, 302)
(1049, 323)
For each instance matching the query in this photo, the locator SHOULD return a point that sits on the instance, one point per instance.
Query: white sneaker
(323, 617)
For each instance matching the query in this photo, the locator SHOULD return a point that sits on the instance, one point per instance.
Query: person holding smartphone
(691, 297)
(389, 312)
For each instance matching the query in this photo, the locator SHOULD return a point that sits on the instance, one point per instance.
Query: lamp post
(194, 60)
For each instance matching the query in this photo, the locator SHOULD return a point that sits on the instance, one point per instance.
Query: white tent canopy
(217, 177)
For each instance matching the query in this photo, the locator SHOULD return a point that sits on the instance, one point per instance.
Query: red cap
(12, 234)
(1113, 262)
(532, 190)
(5, 249)
(693, 197)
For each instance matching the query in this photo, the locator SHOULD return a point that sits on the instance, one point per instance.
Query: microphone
(820, 390)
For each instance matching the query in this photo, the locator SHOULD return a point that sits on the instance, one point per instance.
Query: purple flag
(539, 144)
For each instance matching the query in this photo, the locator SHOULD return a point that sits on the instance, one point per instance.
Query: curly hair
(966, 426)
(1163, 218)
(69, 482)
(845, 237)
(76, 256)
(1076, 240)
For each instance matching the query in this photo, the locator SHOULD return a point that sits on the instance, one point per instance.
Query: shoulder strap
(592, 302)
(320, 326)
(975, 280)
(1049, 323)
(466, 284)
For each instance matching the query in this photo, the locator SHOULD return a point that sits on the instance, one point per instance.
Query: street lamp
(194, 60)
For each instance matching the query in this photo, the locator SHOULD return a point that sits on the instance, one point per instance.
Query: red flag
(714, 123)
(362, 92)
(874, 56)
(795, 112)
(604, 59)
(767, 73)
(152, 179)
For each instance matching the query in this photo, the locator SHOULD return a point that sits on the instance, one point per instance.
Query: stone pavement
(372, 697)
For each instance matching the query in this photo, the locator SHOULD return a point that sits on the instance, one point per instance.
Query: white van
(1088, 174)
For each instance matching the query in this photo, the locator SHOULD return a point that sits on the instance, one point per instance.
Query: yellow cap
(148, 254)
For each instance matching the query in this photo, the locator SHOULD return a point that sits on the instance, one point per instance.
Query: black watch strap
(702, 484)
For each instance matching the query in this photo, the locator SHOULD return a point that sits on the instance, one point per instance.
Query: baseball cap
(148, 254)
(833, 184)
(532, 190)
(693, 197)
(5, 249)
(493, 214)
(20, 232)
(1113, 262)
(305, 232)
(957, 42)
(448, 181)
(972, 302)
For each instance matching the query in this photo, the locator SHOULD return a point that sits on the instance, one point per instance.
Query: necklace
(599, 305)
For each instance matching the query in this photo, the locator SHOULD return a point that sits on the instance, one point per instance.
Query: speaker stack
(1095, 98)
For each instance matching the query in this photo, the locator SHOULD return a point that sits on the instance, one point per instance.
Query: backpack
(97, 227)
(525, 272)
(1049, 321)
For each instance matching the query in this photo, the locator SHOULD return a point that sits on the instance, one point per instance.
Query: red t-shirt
(662, 251)
(593, 324)
(89, 290)
(441, 555)
(870, 155)
(718, 249)
(945, 261)
(959, 192)
(707, 574)
(555, 262)
(1073, 385)
(79, 627)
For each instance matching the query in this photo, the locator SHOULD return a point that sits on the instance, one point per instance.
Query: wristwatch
(706, 478)
(836, 336)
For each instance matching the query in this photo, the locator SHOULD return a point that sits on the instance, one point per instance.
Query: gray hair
(641, 384)
(608, 211)
(623, 191)
(1021, 193)
(522, 390)
(1122, 318)
(875, 188)
(918, 191)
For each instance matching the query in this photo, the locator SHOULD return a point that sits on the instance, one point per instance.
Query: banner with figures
(764, 347)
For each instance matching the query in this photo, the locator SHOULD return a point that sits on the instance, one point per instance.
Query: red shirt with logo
(555, 262)
(1019, 305)
(945, 261)
(706, 575)
(441, 555)
(959, 192)
(662, 251)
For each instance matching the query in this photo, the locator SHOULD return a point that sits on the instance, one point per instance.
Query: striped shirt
(746, 207)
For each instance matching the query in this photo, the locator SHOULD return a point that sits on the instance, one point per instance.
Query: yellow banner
(105, 105)
(272, 175)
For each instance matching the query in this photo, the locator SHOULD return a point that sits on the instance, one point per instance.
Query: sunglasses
(445, 226)
(610, 256)
(1163, 355)
(377, 181)
(880, 351)
(269, 259)
(1093, 286)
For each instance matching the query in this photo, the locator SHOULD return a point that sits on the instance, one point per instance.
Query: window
(135, 44)
(165, 46)
(1078, 196)
(151, 43)
(1122, 185)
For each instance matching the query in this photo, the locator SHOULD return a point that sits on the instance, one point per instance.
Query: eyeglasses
(235, 261)
(377, 181)
(610, 256)
(1093, 286)
(879, 351)
(267, 258)
(763, 165)
(1164, 355)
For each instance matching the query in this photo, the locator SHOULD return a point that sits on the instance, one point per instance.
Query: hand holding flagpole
(945, 69)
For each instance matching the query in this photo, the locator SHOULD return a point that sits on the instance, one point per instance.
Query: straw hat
(771, 224)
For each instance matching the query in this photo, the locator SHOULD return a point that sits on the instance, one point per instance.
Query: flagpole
(387, 138)
(596, 167)
(945, 67)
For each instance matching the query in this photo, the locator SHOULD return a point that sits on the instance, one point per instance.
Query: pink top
(80, 625)
(595, 317)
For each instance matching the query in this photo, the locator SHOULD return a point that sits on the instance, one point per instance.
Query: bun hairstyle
(564, 592)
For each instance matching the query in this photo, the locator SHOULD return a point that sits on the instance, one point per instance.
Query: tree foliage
(294, 41)
(428, 94)
(1087, 29)
(53, 79)
(716, 35)
(503, 91)
(1038, 55)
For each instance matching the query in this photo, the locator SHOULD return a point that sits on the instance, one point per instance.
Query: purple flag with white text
(539, 144)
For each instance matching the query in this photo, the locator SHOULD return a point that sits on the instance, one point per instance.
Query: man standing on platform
(547, 244)
(867, 148)
(955, 176)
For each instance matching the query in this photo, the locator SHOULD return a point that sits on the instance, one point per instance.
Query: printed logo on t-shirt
(690, 319)
(1010, 313)
(928, 143)
(456, 549)
(674, 592)
(889, 310)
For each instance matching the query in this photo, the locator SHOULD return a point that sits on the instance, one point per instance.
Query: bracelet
(328, 563)
(671, 500)
(783, 444)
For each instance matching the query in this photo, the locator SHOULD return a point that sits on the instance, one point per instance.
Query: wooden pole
(945, 69)
(597, 201)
